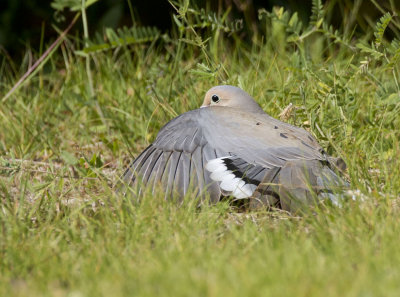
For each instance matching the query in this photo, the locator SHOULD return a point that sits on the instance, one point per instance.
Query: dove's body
(226, 150)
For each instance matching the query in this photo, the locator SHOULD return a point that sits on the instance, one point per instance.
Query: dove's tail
(298, 184)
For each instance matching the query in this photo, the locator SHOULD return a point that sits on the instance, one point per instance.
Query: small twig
(41, 59)
(44, 171)
(286, 113)
(31, 162)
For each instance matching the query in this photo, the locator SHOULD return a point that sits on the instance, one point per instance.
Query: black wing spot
(306, 144)
(258, 123)
(275, 127)
(282, 135)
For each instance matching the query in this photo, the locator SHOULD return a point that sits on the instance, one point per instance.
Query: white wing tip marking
(228, 181)
(215, 164)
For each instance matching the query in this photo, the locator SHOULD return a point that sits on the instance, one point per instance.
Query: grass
(64, 232)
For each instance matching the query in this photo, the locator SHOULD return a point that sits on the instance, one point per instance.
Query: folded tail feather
(299, 184)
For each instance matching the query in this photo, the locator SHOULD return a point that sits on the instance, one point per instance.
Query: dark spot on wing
(258, 123)
(282, 135)
(275, 127)
(306, 144)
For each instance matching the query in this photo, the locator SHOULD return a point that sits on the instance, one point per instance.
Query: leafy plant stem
(86, 36)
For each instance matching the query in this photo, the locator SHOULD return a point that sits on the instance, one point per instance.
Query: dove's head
(230, 96)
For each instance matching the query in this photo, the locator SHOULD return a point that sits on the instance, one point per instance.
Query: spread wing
(176, 160)
(178, 157)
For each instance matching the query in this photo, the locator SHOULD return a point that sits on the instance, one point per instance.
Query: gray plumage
(235, 135)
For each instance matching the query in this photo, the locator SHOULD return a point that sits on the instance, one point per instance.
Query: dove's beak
(203, 106)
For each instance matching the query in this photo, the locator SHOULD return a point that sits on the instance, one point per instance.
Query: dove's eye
(215, 98)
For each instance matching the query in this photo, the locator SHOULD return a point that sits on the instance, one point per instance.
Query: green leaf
(317, 13)
(203, 70)
(380, 28)
(121, 37)
(369, 49)
(178, 22)
(96, 161)
(73, 5)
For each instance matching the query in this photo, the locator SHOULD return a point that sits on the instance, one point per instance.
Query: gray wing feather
(213, 189)
(166, 171)
(130, 174)
(162, 167)
(173, 169)
(148, 167)
(179, 178)
(158, 169)
(197, 169)
(186, 164)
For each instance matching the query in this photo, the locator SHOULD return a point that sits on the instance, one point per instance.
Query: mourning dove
(231, 147)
